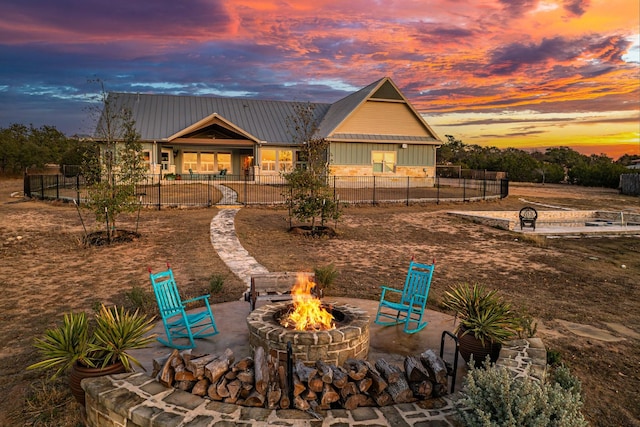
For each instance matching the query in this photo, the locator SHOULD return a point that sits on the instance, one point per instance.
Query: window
(268, 160)
(207, 162)
(164, 160)
(285, 161)
(383, 161)
(224, 161)
(190, 161)
(146, 158)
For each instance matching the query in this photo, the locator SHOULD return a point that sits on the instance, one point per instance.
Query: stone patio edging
(137, 400)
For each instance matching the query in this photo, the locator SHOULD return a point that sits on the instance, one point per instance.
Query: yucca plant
(481, 313)
(115, 332)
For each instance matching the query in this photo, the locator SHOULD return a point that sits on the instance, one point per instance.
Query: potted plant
(485, 321)
(101, 348)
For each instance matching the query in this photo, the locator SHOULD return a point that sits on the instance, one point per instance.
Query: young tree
(309, 196)
(115, 171)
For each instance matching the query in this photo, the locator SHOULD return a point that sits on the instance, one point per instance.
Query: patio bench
(528, 217)
(273, 287)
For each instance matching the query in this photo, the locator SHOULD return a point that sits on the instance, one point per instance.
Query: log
(340, 377)
(353, 401)
(316, 384)
(246, 390)
(300, 403)
(158, 364)
(390, 372)
(349, 389)
(216, 368)
(247, 376)
(284, 386)
(234, 388)
(305, 373)
(325, 371)
(184, 385)
(422, 389)
(309, 395)
(222, 388)
(196, 366)
(356, 369)
(212, 392)
(231, 375)
(273, 396)
(184, 375)
(166, 377)
(201, 387)
(400, 391)
(254, 399)
(298, 386)
(364, 384)
(414, 369)
(382, 399)
(261, 370)
(243, 364)
(329, 395)
(377, 382)
(435, 366)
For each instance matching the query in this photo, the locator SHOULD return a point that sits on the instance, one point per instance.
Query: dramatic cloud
(449, 57)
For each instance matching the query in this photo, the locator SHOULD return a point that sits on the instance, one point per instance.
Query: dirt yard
(45, 272)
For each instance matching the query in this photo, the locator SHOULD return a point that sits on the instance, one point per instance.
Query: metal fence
(208, 190)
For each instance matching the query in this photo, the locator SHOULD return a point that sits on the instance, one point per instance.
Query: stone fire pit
(349, 339)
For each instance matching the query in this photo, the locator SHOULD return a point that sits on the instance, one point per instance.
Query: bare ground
(45, 272)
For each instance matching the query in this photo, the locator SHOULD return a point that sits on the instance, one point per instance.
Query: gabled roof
(167, 117)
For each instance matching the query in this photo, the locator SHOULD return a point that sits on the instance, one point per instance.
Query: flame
(308, 313)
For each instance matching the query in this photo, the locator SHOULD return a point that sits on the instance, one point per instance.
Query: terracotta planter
(78, 373)
(470, 345)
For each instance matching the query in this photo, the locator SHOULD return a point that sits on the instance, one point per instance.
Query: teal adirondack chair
(178, 324)
(409, 304)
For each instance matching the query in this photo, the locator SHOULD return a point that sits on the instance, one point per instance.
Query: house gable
(213, 129)
(381, 114)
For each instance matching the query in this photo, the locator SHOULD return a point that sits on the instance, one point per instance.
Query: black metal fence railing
(208, 190)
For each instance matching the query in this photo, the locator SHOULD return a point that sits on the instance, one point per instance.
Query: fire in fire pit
(307, 313)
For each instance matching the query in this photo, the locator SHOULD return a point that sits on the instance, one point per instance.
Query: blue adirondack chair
(177, 322)
(409, 304)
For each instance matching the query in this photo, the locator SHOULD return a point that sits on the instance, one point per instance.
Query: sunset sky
(508, 73)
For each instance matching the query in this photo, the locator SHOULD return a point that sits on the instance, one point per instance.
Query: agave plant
(115, 332)
(482, 313)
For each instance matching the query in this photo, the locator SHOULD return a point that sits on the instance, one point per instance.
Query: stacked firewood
(259, 382)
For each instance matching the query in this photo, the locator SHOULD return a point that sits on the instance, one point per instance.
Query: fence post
(57, 187)
(437, 189)
(26, 184)
(408, 185)
(464, 189)
(373, 202)
(78, 189)
(210, 203)
(41, 187)
(159, 190)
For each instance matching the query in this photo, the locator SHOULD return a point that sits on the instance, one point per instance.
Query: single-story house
(374, 131)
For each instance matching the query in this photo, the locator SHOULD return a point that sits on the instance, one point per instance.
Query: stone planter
(78, 373)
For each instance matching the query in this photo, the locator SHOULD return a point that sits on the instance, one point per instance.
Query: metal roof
(159, 117)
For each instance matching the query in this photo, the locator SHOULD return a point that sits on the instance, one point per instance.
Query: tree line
(554, 165)
(23, 147)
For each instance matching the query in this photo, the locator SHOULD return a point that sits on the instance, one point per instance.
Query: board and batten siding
(349, 153)
(383, 118)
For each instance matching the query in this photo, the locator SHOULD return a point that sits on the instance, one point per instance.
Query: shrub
(142, 300)
(492, 396)
(216, 282)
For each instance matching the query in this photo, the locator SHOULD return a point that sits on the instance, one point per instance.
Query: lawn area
(45, 272)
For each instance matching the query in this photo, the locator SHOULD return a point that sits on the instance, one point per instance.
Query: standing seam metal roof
(158, 117)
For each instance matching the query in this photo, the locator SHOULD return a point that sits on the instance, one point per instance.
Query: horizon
(526, 74)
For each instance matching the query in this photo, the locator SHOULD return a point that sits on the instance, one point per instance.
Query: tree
(308, 194)
(118, 167)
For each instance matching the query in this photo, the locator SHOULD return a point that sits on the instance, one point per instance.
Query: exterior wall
(367, 170)
(383, 118)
